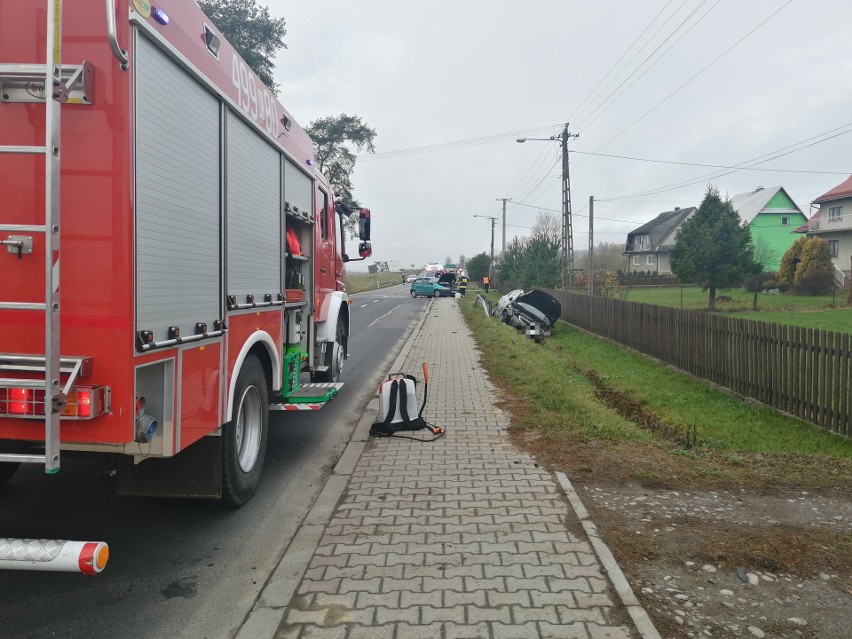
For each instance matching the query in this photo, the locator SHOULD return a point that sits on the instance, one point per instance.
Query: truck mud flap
(195, 472)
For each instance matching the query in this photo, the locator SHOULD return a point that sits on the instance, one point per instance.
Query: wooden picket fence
(802, 371)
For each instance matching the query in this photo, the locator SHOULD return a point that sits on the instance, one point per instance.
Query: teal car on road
(430, 287)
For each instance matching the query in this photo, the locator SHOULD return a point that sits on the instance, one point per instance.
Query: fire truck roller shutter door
(253, 213)
(297, 190)
(177, 197)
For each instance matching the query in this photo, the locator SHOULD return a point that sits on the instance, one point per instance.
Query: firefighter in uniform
(463, 283)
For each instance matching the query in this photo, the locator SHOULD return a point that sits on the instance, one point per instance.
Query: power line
(603, 110)
(709, 166)
(742, 165)
(456, 144)
(577, 214)
(544, 177)
(702, 70)
(530, 185)
(579, 109)
(533, 170)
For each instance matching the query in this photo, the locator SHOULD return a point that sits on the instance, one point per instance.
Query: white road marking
(383, 316)
(362, 306)
(374, 301)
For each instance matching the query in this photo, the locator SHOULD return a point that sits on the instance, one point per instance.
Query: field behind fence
(802, 371)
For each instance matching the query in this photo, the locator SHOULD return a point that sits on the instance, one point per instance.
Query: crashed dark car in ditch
(535, 312)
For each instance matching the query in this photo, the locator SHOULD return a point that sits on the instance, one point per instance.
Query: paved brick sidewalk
(464, 537)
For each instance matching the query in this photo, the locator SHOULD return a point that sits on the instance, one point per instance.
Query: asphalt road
(183, 568)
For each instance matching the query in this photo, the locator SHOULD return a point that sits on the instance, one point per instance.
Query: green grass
(358, 282)
(557, 399)
(835, 319)
(794, 310)
(561, 401)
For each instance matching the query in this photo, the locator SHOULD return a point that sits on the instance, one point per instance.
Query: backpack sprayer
(397, 401)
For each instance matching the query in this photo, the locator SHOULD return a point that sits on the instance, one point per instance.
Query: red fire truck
(171, 259)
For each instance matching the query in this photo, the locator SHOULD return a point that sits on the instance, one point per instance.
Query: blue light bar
(160, 16)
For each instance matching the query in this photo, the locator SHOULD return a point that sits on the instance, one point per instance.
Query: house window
(652, 259)
(835, 213)
(636, 260)
(835, 247)
(785, 221)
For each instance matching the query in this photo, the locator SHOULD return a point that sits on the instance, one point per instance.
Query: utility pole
(491, 268)
(591, 245)
(491, 265)
(504, 200)
(567, 229)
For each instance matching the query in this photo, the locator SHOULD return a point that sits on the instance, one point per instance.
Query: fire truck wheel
(244, 438)
(333, 359)
(6, 471)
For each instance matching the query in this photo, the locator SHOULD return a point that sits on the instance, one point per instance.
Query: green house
(772, 217)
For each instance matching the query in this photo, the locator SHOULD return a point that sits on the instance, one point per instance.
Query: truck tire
(7, 469)
(244, 437)
(333, 359)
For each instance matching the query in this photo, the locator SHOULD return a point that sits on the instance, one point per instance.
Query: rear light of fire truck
(83, 402)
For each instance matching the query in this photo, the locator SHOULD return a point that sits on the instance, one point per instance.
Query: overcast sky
(471, 76)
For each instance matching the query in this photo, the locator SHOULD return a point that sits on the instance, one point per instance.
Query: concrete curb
(271, 605)
(637, 613)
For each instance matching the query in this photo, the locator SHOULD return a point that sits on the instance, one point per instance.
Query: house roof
(804, 228)
(662, 227)
(749, 205)
(842, 190)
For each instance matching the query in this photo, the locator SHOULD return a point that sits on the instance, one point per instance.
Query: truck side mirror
(342, 209)
(364, 249)
(364, 225)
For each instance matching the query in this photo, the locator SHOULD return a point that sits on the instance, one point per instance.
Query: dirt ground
(716, 544)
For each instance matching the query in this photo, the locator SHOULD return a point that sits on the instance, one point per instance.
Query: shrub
(790, 261)
(814, 283)
(814, 273)
(768, 285)
(758, 282)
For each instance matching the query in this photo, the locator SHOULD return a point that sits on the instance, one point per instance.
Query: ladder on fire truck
(51, 84)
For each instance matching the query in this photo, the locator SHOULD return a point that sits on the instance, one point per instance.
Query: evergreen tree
(790, 262)
(541, 263)
(712, 248)
(336, 141)
(531, 262)
(814, 274)
(477, 266)
(509, 270)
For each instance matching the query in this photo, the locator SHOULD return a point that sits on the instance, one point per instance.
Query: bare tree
(608, 257)
(764, 255)
(547, 227)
